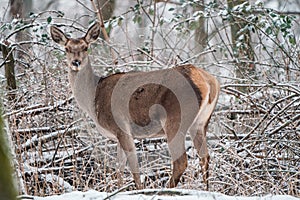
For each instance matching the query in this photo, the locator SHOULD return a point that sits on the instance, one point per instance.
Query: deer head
(76, 49)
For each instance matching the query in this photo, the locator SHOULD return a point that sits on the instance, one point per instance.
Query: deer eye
(85, 49)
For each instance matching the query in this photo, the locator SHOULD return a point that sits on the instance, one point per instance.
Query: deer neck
(83, 85)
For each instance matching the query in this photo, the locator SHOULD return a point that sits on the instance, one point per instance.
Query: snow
(161, 194)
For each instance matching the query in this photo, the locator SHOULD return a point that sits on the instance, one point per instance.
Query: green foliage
(115, 21)
(33, 24)
(259, 19)
(137, 10)
(49, 19)
(256, 18)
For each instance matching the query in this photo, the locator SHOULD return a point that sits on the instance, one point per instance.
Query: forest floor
(165, 194)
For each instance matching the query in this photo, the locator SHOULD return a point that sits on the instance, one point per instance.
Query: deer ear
(58, 36)
(93, 33)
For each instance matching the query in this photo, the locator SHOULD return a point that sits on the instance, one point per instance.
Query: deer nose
(76, 63)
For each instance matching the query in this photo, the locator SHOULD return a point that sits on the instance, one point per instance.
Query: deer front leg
(179, 166)
(176, 144)
(121, 162)
(128, 147)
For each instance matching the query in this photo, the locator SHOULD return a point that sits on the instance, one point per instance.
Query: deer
(170, 103)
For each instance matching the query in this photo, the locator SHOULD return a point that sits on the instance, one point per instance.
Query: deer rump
(145, 104)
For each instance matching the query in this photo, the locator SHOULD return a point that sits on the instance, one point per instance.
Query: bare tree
(107, 8)
(201, 34)
(18, 10)
(9, 70)
(245, 52)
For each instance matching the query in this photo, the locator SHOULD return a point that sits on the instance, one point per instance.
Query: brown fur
(143, 98)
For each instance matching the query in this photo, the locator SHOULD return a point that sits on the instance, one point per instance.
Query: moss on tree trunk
(7, 187)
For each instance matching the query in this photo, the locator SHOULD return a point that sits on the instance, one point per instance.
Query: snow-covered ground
(166, 194)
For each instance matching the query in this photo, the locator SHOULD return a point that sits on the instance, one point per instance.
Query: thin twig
(288, 122)
(267, 114)
(18, 30)
(61, 138)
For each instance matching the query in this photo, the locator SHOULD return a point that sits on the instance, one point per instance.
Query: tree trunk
(18, 10)
(106, 7)
(201, 34)
(243, 69)
(9, 71)
(7, 186)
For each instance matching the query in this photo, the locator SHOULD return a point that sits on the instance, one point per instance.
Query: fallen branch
(70, 155)
(51, 136)
(39, 108)
(26, 131)
(118, 191)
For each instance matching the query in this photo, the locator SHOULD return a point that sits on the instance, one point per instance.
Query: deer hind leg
(176, 144)
(198, 134)
(128, 146)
